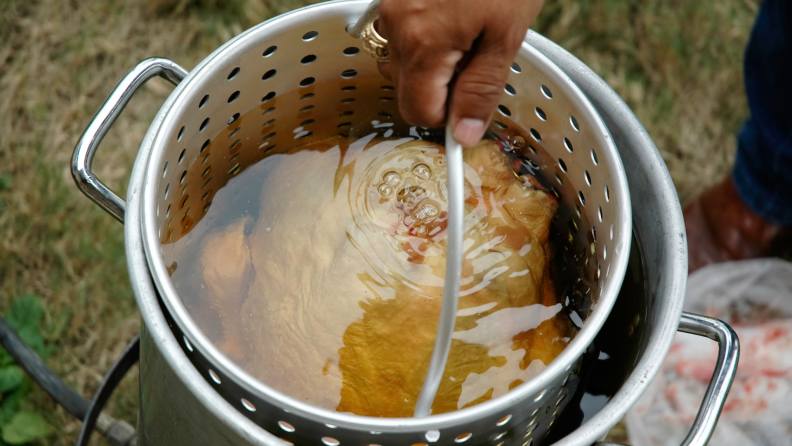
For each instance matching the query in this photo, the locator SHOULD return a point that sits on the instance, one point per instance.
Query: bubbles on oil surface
(392, 179)
(385, 190)
(422, 171)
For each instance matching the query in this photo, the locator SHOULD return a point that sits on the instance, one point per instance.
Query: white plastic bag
(755, 298)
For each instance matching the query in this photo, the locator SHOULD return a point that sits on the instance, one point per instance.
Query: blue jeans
(763, 168)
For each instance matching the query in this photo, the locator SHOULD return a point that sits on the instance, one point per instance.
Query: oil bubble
(422, 171)
(392, 178)
(425, 211)
(519, 142)
(409, 194)
(384, 190)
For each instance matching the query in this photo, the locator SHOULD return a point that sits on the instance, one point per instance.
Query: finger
(423, 78)
(385, 70)
(479, 87)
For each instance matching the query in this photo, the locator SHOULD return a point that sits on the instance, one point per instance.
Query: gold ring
(374, 44)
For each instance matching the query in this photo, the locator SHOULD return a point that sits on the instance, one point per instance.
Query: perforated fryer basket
(297, 71)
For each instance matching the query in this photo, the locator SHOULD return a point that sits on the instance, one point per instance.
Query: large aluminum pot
(180, 407)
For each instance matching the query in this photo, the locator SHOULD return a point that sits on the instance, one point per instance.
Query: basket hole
(214, 376)
(536, 136)
(165, 170)
(546, 91)
(388, 87)
(306, 108)
(234, 145)
(233, 96)
(386, 99)
(611, 231)
(347, 113)
(268, 111)
(203, 125)
(562, 165)
(607, 194)
(504, 110)
(347, 100)
(303, 134)
(594, 157)
(349, 88)
(385, 114)
(183, 176)
(167, 212)
(307, 81)
(286, 426)
(510, 90)
(181, 155)
(604, 251)
(268, 123)
(516, 67)
(233, 118)
(351, 51)
(558, 178)
(268, 97)
(310, 35)
(582, 198)
(577, 211)
(432, 435)
(499, 436)
(167, 189)
(599, 214)
(344, 124)
(187, 344)
(330, 441)
(307, 96)
(268, 75)
(269, 51)
(269, 136)
(181, 133)
(587, 176)
(233, 73)
(541, 114)
(463, 438)
(349, 74)
(205, 145)
(568, 145)
(504, 420)
(236, 130)
(500, 125)
(540, 396)
(308, 59)
(528, 443)
(532, 149)
(307, 122)
(248, 405)
(203, 101)
(574, 123)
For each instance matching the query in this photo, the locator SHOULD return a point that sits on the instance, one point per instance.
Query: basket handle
(722, 377)
(85, 150)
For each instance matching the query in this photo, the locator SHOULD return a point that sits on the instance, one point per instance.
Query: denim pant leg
(763, 168)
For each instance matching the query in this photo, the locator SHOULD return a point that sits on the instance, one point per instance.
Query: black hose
(35, 367)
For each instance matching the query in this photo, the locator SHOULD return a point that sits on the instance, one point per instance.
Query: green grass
(676, 62)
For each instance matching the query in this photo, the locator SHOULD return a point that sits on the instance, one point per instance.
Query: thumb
(478, 90)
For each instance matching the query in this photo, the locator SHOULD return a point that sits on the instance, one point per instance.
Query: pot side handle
(85, 150)
(722, 377)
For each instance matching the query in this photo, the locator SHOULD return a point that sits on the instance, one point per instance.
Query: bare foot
(721, 228)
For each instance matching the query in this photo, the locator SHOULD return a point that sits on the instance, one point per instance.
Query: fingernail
(469, 131)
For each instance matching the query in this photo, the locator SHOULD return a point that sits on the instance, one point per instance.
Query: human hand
(428, 39)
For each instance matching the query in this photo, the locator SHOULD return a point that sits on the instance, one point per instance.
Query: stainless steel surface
(722, 377)
(567, 121)
(454, 253)
(369, 15)
(659, 227)
(85, 150)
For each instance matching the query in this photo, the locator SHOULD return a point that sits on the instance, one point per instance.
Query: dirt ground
(677, 63)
